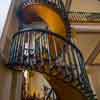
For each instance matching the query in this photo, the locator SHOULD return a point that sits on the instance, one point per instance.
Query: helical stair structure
(50, 51)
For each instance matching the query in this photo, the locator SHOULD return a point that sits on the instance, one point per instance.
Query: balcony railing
(49, 53)
(84, 17)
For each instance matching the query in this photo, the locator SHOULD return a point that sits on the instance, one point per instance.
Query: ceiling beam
(93, 55)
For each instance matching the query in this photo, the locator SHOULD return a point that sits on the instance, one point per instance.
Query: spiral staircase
(50, 51)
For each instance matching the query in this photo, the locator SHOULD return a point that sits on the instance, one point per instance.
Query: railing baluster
(48, 47)
(28, 47)
(13, 43)
(41, 51)
(16, 48)
(23, 47)
(75, 64)
(70, 62)
(43, 46)
(34, 46)
(55, 47)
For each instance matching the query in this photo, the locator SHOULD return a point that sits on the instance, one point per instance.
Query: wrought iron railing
(50, 53)
(84, 17)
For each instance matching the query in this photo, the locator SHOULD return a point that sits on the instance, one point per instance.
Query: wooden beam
(94, 54)
(96, 64)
